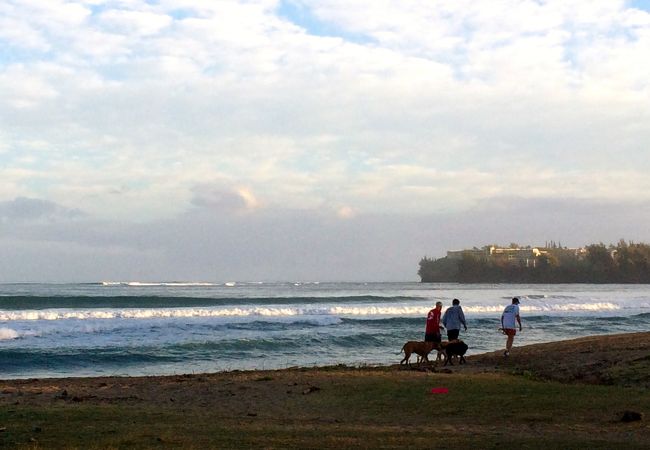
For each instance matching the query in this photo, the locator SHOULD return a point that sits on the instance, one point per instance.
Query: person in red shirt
(432, 331)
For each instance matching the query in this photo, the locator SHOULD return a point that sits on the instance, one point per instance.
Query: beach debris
(439, 390)
(310, 389)
(251, 414)
(63, 394)
(3, 429)
(631, 416)
(37, 429)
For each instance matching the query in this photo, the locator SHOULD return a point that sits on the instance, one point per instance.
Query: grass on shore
(352, 408)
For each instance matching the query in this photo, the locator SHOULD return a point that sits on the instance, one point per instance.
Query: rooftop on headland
(516, 254)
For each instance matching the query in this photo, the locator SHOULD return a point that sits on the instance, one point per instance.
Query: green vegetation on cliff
(625, 262)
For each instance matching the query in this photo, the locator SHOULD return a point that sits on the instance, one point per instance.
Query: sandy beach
(570, 394)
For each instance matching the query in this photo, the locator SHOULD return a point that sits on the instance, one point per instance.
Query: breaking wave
(7, 333)
(284, 311)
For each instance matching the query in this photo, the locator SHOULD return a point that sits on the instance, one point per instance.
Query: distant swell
(41, 302)
(19, 360)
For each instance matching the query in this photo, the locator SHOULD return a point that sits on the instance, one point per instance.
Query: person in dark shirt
(453, 319)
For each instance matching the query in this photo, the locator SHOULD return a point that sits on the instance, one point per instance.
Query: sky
(300, 140)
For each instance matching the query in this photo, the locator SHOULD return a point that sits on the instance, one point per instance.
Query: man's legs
(511, 337)
(452, 334)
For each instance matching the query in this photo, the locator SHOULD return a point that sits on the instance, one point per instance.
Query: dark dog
(422, 349)
(458, 348)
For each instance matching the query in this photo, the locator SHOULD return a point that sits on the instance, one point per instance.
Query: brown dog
(422, 349)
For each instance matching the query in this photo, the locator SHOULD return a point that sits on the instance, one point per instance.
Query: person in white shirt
(509, 319)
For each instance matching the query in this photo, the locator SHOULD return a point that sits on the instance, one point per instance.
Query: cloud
(141, 23)
(144, 112)
(24, 209)
(300, 244)
(223, 199)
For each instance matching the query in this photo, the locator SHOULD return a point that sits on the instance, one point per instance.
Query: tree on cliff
(598, 263)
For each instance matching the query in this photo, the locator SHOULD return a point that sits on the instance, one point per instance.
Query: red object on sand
(439, 390)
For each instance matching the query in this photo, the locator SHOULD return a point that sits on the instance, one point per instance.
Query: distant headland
(625, 262)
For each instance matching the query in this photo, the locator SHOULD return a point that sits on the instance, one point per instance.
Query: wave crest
(7, 333)
(283, 311)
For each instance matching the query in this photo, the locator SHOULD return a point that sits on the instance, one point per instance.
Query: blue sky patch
(302, 16)
(180, 14)
(640, 4)
(11, 54)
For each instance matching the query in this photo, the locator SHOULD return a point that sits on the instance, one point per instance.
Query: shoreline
(564, 394)
(608, 349)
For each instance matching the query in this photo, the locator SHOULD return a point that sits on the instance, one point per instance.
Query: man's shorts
(432, 337)
(510, 331)
(452, 334)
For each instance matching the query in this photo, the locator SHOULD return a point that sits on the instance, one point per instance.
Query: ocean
(137, 328)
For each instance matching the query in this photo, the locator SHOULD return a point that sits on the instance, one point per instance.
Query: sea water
(137, 328)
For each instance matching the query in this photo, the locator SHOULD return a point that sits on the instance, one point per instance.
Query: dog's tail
(402, 350)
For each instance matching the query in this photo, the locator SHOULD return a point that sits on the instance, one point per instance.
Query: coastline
(354, 406)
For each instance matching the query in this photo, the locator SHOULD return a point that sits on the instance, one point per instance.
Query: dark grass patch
(353, 408)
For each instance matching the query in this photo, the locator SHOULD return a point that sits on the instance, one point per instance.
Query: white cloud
(140, 23)
(125, 107)
(21, 88)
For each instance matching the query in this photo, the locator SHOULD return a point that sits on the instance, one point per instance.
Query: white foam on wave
(379, 310)
(600, 306)
(477, 309)
(7, 333)
(162, 283)
(286, 311)
(68, 329)
(147, 313)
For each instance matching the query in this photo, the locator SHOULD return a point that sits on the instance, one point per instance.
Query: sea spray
(7, 333)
